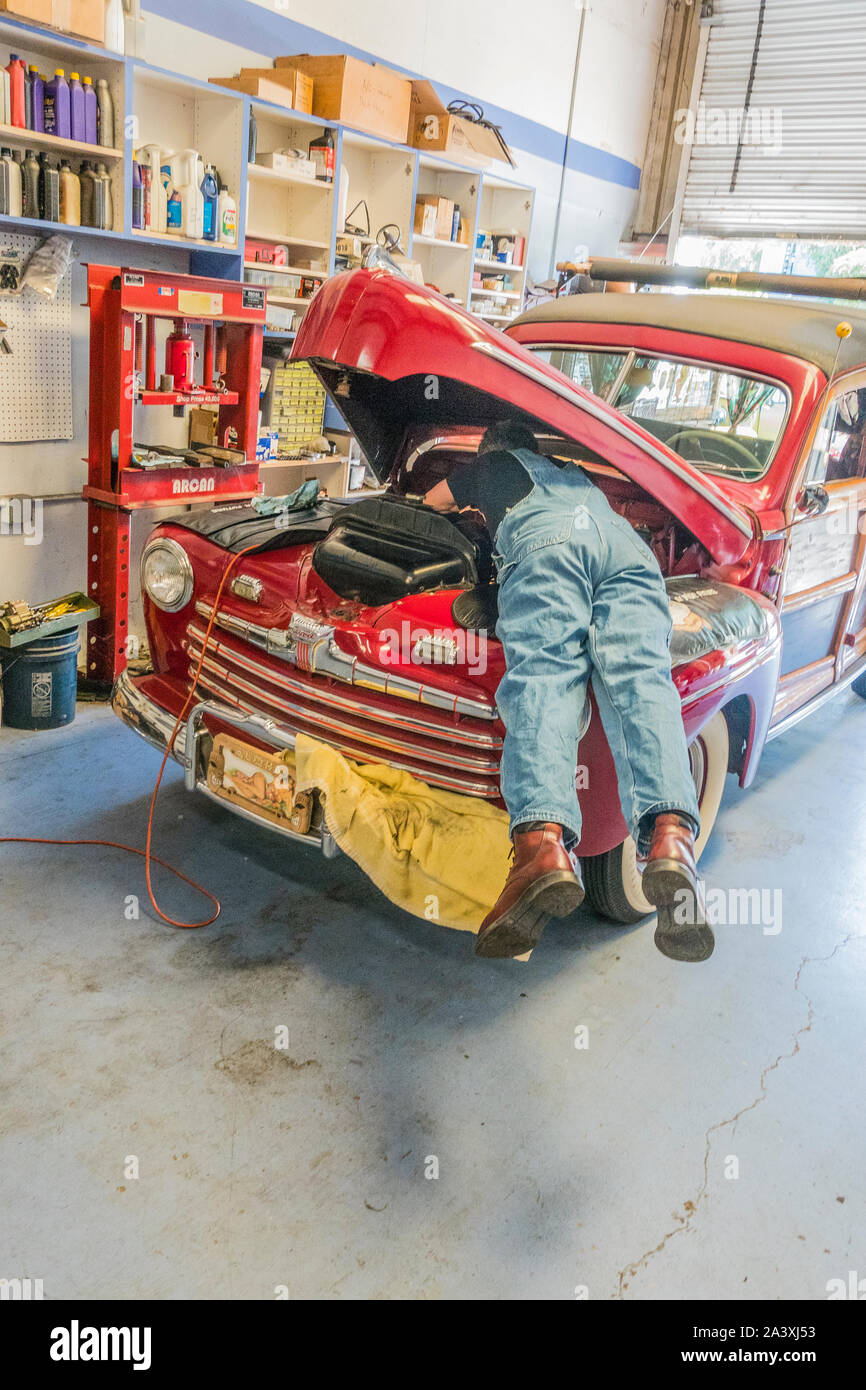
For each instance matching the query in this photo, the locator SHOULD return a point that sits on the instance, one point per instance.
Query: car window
(596, 371)
(721, 421)
(839, 451)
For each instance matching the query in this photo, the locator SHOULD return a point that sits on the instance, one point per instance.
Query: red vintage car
(730, 432)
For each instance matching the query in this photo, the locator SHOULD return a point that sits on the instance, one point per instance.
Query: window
(596, 371)
(839, 451)
(723, 423)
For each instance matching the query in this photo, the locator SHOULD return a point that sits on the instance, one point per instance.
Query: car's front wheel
(613, 880)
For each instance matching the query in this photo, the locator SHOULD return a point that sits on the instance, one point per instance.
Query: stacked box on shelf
(297, 404)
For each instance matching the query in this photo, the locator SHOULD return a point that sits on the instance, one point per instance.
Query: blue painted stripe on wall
(264, 31)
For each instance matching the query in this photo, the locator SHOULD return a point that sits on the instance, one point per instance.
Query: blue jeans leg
(544, 613)
(638, 702)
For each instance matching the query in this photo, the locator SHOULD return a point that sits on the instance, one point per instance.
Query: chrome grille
(435, 746)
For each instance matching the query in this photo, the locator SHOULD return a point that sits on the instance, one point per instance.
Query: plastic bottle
(76, 107)
(187, 176)
(37, 99)
(11, 193)
(227, 217)
(5, 99)
(253, 138)
(104, 178)
(323, 152)
(49, 190)
(70, 195)
(97, 203)
(15, 69)
(210, 193)
(105, 114)
(155, 209)
(28, 99)
(30, 172)
(137, 196)
(86, 179)
(57, 118)
(90, 111)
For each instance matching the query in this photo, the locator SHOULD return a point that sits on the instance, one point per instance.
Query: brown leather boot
(542, 884)
(670, 882)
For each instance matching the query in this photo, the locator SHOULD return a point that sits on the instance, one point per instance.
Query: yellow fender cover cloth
(437, 854)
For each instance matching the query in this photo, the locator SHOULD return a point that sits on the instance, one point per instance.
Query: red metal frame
(124, 307)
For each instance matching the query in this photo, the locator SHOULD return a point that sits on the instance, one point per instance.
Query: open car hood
(396, 357)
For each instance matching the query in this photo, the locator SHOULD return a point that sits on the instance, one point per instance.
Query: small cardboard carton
(365, 95)
(282, 86)
(433, 127)
(434, 216)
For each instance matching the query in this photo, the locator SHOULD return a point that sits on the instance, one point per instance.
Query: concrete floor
(602, 1169)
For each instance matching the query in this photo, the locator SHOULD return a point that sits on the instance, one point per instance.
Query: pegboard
(36, 377)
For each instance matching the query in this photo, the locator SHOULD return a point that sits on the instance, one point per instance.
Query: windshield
(723, 423)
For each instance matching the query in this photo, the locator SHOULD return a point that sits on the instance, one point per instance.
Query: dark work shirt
(493, 483)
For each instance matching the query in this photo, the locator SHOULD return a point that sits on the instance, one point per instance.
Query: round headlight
(166, 575)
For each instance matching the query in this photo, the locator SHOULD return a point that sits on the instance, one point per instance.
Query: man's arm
(440, 498)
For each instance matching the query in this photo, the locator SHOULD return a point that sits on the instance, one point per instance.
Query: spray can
(105, 114)
(37, 100)
(90, 111)
(70, 195)
(30, 173)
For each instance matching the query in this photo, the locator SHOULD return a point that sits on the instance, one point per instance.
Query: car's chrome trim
(311, 647)
(487, 790)
(457, 733)
(732, 676)
(154, 724)
(340, 731)
(598, 412)
(817, 701)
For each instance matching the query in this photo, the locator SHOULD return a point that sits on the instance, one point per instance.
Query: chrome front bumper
(154, 724)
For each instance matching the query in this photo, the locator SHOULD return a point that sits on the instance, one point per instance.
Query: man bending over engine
(580, 595)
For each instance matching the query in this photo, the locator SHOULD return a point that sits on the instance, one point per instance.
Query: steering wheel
(724, 442)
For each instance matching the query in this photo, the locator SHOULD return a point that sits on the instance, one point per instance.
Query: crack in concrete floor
(690, 1208)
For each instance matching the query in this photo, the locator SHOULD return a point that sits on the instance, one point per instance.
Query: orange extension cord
(146, 853)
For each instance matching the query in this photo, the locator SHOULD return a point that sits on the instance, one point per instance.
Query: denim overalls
(581, 595)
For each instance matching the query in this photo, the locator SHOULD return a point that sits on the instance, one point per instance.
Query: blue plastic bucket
(39, 681)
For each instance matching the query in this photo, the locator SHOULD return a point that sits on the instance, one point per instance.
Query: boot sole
(555, 895)
(663, 883)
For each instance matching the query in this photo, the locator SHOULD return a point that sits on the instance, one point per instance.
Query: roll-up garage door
(779, 132)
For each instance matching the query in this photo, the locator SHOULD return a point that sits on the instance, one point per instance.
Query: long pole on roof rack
(700, 278)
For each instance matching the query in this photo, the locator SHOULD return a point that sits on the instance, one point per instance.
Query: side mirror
(813, 500)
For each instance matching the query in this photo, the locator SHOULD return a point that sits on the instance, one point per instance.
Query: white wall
(512, 56)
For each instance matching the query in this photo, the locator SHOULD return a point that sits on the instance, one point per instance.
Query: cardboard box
(37, 10)
(436, 212)
(86, 18)
(432, 127)
(284, 163)
(365, 95)
(294, 90)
